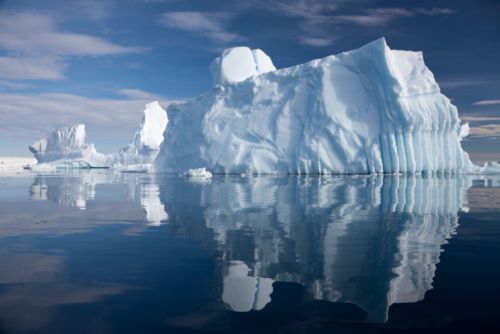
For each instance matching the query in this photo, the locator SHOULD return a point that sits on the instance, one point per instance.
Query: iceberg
(66, 147)
(366, 111)
(147, 140)
(199, 172)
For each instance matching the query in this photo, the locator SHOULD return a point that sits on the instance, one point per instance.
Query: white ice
(371, 110)
(238, 64)
(147, 140)
(14, 164)
(65, 148)
(198, 172)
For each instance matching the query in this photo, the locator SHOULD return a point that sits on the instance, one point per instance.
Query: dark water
(96, 252)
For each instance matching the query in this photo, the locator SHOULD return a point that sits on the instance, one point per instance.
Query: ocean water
(103, 252)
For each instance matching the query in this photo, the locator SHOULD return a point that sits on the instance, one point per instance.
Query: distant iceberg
(65, 148)
(371, 110)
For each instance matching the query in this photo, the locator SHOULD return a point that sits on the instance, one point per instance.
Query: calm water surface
(98, 252)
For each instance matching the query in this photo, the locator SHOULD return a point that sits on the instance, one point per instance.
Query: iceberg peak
(238, 64)
(148, 138)
(153, 125)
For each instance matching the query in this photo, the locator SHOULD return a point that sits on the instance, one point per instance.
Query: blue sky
(99, 61)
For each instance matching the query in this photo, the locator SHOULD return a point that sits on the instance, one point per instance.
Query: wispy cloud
(483, 125)
(30, 116)
(315, 17)
(316, 41)
(434, 11)
(486, 103)
(13, 84)
(487, 130)
(36, 49)
(320, 16)
(31, 68)
(133, 93)
(211, 25)
(460, 83)
(37, 33)
(468, 118)
(382, 16)
(311, 10)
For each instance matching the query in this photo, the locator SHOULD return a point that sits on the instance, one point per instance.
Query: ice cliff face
(371, 110)
(67, 144)
(147, 140)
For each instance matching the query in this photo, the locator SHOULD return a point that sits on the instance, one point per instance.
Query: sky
(99, 62)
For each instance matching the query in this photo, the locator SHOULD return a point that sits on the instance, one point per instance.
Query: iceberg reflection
(368, 240)
(371, 241)
(77, 188)
(243, 293)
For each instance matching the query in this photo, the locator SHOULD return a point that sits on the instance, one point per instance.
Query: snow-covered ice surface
(198, 172)
(238, 64)
(371, 110)
(14, 164)
(132, 168)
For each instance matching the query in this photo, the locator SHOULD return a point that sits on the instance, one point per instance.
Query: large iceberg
(371, 110)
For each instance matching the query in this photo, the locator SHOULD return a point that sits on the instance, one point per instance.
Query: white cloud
(316, 41)
(210, 25)
(467, 118)
(314, 14)
(13, 84)
(464, 83)
(30, 116)
(382, 16)
(487, 130)
(320, 17)
(486, 102)
(311, 10)
(133, 93)
(30, 69)
(377, 16)
(36, 33)
(36, 49)
(434, 11)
